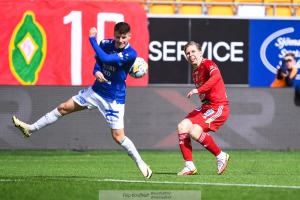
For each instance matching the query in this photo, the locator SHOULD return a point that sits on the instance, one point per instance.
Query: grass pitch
(81, 175)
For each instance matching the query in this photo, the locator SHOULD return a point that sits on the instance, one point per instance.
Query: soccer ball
(139, 68)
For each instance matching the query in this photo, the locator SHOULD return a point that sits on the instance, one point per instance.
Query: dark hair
(122, 28)
(290, 54)
(198, 46)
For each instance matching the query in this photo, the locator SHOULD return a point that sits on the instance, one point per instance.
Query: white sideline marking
(96, 158)
(203, 183)
(168, 182)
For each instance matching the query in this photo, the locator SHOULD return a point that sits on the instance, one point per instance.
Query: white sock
(190, 165)
(128, 145)
(221, 155)
(46, 120)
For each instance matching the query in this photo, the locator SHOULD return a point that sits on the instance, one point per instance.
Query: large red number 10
(75, 18)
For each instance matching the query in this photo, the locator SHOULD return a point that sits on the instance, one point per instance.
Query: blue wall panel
(269, 41)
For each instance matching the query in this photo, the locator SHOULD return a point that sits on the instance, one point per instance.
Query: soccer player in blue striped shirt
(114, 58)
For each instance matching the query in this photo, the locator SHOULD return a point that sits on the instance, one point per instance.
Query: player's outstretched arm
(193, 91)
(104, 57)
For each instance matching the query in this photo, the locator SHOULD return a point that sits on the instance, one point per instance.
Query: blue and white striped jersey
(114, 64)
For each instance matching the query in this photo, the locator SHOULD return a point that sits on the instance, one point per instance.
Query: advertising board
(270, 40)
(46, 42)
(223, 41)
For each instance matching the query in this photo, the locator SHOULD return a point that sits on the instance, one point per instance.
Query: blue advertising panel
(269, 41)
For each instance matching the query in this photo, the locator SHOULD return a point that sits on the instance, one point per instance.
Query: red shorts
(209, 117)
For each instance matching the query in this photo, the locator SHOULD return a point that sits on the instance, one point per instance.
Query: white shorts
(112, 112)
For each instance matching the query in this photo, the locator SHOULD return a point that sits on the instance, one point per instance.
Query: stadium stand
(250, 8)
(249, 1)
(220, 7)
(161, 7)
(279, 8)
(297, 8)
(191, 9)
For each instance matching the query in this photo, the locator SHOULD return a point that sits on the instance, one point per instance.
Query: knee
(118, 135)
(195, 132)
(182, 127)
(62, 109)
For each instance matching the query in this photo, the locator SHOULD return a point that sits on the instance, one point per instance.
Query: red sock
(185, 146)
(208, 142)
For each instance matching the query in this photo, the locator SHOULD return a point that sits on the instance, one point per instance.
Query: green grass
(81, 175)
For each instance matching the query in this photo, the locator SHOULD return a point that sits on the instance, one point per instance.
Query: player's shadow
(297, 99)
(166, 173)
(61, 177)
(297, 95)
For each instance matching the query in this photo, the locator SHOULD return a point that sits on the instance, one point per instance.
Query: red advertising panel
(46, 42)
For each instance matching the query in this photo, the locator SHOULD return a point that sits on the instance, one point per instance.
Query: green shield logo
(27, 49)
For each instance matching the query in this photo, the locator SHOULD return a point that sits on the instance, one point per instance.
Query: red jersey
(209, 82)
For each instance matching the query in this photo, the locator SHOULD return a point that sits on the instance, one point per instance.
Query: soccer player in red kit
(210, 116)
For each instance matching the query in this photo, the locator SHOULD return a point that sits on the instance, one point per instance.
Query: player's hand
(284, 74)
(100, 77)
(193, 91)
(93, 32)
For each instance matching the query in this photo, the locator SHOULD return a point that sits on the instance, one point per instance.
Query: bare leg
(51, 117)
